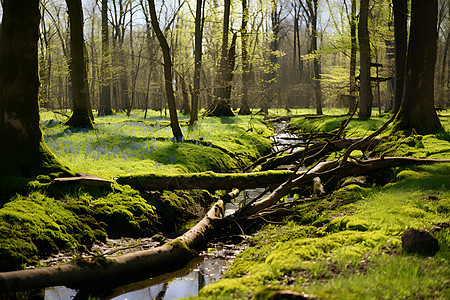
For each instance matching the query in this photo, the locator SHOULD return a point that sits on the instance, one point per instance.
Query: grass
(41, 219)
(357, 253)
(348, 245)
(122, 145)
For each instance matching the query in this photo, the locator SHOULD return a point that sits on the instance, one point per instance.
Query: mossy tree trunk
(168, 75)
(417, 109)
(23, 151)
(82, 112)
(365, 89)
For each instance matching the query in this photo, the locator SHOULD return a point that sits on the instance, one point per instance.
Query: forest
(269, 149)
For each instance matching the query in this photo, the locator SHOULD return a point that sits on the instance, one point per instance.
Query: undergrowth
(347, 245)
(38, 218)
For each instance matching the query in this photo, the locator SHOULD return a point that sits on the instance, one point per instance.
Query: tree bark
(417, 109)
(23, 151)
(197, 61)
(400, 8)
(353, 49)
(221, 106)
(82, 112)
(245, 108)
(105, 97)
(168, 76)
(365, 90)
(317, 76)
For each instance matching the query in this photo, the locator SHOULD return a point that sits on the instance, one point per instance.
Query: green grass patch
(121, 145)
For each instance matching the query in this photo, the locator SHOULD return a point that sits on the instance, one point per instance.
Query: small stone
(420, 242)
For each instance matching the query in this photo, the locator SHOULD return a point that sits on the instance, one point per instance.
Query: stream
(206, 269)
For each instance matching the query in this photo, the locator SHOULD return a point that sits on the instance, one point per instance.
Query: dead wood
(363, 142)
(84, 179)
(321, 147)
(206, 181)
(332, 169)
(100, 271)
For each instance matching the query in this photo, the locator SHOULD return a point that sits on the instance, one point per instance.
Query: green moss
(346, 223)
(358, 253)
(34, 226)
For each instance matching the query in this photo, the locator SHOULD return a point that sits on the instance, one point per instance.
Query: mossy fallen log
(101, 272)
(206, 180)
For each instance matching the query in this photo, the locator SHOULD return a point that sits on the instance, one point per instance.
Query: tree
(310, 7)
(354, 48)
(23, 150)
(245, 108)
(400, 8)
(105, 96)
(168, 75)
(220, 106)
(82, 112)
(317, 91)
(365, 90)
(417, 110)
(197, 61)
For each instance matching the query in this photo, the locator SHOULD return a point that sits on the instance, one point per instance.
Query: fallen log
(103, 272)
(323, 147)
(332, 169)
(83, 179)
(205, 181)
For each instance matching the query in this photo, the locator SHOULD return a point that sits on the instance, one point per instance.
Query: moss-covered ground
(38, 218)
(348, 244)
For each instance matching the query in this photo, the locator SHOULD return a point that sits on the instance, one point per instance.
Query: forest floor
(344, 245)
(347, 244)
(40, 219)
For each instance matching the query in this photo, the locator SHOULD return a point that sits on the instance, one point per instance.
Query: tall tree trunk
(82, 112)
(221, 106)
(317, 76)
(353, 49)
(417, 109)
(365, 90)
(168, 77)
(245, 108)
(185, 107)
(105, 97)
(23, 151)
(401, 39)
(199, 18)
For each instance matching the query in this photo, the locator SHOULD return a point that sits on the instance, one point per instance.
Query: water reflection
(209, 271)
